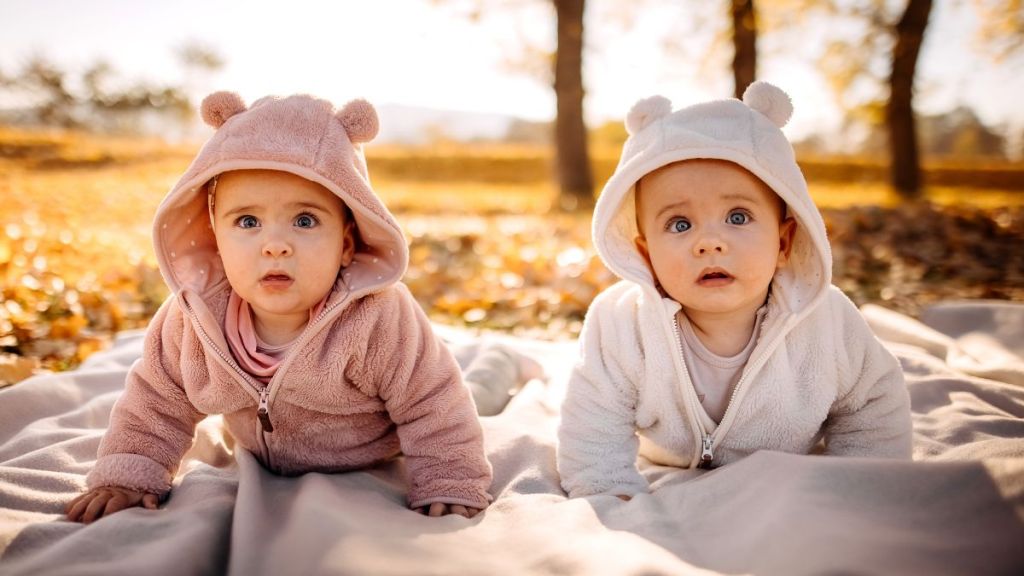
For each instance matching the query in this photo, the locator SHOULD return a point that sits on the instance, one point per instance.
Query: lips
(276, 279)
(714, 277)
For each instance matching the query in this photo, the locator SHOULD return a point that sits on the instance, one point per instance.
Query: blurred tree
(871, 62)
(744, 41)
(1001, 29)
(92, 99)
(200, 62)
(899, 112)
(575, 180)
(98, 98)
(565, 72)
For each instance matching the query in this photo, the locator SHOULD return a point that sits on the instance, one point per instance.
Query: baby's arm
(151, 426)
(873, 417)
(597, 442)
(415, 375)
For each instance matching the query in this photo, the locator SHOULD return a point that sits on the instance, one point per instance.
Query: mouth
(714, 276)
(275, 278)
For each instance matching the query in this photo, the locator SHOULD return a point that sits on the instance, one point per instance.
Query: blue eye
(739, 218)
(306, 221)
(678, 225)
(247, 222)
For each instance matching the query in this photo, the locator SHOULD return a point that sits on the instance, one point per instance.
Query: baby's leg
(495, 373)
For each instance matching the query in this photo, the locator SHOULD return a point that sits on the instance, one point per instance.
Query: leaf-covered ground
(76, 264)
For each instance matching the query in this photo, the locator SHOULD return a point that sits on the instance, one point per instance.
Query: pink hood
(299, 134)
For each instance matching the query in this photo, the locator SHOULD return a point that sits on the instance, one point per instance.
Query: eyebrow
(309, 205)
(734, 196)
(671, 207)
(294, 205)
(739, 196)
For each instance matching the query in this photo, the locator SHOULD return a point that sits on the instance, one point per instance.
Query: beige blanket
(958, 509)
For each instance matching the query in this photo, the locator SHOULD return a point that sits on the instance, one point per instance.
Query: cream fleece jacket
(816, 374)
(366, 381)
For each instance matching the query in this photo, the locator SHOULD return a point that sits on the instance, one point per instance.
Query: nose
(710, 242)
(276, 246)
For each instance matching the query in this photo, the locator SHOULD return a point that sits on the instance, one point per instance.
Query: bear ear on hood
(359, 118)
(646, 111)
(769, 100)
(219, 106)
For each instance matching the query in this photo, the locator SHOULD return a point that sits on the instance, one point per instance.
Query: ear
(360, 120)
(219, 106)
(348, 243)
(787, 231)
(646, 111)
(641, 247)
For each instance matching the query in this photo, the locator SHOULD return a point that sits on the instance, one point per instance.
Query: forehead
(271, 187)
(703, 181)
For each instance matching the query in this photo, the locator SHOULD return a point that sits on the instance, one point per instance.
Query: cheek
(232, 254)
(670, 251)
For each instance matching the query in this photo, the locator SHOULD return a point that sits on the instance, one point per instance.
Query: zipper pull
(706, 456)
(263, 412)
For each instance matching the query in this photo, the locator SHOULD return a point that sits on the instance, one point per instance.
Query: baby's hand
(442, 509)
(104, 501)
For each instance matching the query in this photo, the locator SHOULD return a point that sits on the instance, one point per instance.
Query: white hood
(746, 133)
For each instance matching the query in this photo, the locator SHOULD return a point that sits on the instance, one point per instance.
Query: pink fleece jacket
(366, 381)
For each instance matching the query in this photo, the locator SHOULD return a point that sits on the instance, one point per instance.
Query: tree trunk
(899, 111)
(576, 185)
(744, 41)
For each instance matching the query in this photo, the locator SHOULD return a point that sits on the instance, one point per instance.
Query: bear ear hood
(300, 134)
(747, 133)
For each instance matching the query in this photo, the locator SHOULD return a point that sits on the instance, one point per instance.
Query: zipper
(263, 408)
(755, 366)
(706, 455)
(263, 412)
(707, 441)
(702, 436)
(264, 392)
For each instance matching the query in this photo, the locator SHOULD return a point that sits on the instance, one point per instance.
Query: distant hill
(401, 124)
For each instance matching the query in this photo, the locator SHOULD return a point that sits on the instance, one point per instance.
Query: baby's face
(713, 235)
(282, 240)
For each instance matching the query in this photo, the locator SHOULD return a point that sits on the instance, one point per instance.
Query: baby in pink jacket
(289, 319)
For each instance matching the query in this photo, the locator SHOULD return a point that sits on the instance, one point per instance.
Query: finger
(421, 510)
(437, 509)
(151, 501)
(472, 512)
(80, 503)
(95, 508)
(71, 505)
(117, 503)
(459, 509)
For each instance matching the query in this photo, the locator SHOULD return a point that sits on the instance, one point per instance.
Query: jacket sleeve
(421, 386)
(153, 422)
(597, 441)
(872, 415)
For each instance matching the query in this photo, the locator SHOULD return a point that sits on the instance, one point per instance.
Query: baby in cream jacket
(725, 335)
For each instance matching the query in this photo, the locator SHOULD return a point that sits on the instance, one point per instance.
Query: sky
(425, 54)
